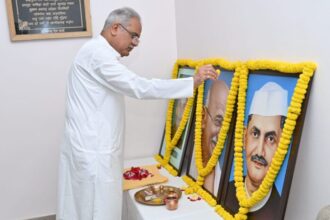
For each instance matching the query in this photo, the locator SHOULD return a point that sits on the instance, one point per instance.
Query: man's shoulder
(96, 50)
(94, 45)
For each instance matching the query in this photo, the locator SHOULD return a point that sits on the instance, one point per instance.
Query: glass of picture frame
(263, 124)
(179, 151)
(214, 106)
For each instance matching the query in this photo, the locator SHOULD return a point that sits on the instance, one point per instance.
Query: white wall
(32, 94)
(33, 76)
(296, 30)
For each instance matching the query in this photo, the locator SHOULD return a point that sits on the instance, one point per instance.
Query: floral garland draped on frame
(239, 85)
(196, 187)
(169, 140)
(294, 110)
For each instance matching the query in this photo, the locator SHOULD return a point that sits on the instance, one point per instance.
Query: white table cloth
(133, 210)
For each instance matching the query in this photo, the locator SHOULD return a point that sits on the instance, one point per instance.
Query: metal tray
(154, 195)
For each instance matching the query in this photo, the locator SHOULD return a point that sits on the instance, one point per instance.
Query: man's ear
(114, 29)
(204, 117)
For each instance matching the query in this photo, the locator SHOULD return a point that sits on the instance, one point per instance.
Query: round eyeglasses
(135, 36)
(217, 120)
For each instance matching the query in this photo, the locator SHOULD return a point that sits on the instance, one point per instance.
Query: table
(133, 210)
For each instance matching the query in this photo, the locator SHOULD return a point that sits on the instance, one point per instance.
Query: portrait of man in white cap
(262, 133)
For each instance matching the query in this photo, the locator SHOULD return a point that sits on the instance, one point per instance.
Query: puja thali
(156, 194)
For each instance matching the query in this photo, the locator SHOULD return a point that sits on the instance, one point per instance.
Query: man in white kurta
(90, 173)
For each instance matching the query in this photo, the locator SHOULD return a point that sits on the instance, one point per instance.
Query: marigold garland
(239, 85)
(196, 187)
(294, 110)
(171, 142)
(231, 100)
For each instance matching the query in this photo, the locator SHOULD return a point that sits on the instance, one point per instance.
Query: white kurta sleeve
(119, 79)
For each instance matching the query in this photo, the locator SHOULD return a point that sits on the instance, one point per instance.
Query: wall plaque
(45, 19)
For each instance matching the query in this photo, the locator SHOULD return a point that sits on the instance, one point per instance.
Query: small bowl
(148, 191)
(172, 195)
(171, 202)
(157, 189)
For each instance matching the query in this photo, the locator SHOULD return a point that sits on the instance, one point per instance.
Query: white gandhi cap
(269, 100)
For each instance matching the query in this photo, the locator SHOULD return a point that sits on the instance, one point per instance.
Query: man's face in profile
(125, 36)
(214, 113)
(261, 141)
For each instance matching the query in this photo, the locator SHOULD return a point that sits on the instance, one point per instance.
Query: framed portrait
(269, 95)
(215, 96)
(45, 19)
(179, 151)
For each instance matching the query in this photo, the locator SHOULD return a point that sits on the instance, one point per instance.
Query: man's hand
(204, 72)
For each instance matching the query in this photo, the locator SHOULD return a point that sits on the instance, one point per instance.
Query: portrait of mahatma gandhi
(262, 134)
(212, 117)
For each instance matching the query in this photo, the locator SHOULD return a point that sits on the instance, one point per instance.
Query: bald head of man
(213, 114)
